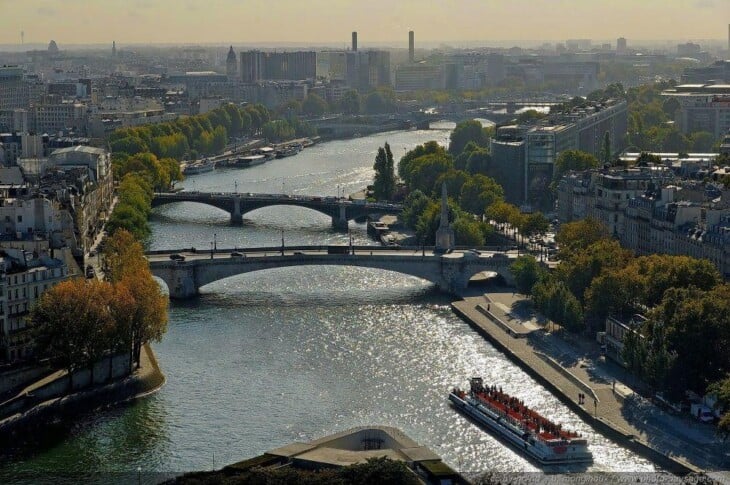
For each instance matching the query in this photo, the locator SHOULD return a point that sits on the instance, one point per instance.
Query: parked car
(177, 257)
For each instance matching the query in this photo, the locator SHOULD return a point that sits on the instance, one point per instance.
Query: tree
(429, 148)
(148, 315)
(579, 267)
(534, 223)
(468, 231)
(351, 102)
(313, 105)
(380, 101)
(425, 171)
(721, 389)
(527, 272)
(413, 207)
(126, 266)
(480, 192)
(502, 212)
(465, 132)
(645, 159)
(384, 182)
(454, 180)
(701, 141)
(606, 149)
(577, 235)
(73, 323)
(122, 255)
(573, 160)
(697, 330)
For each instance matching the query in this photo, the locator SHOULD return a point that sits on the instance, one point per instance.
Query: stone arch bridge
(450, 272)
(236, 204)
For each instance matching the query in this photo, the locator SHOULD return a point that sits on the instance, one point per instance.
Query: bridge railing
(270, 249)
(265, 197)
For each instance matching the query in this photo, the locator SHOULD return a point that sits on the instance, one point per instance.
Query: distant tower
(621, 45)
(444, 234)
(114, 48)
(22, 37)
(231, 65)
(411, 47)
(354, 42)
(53, 47)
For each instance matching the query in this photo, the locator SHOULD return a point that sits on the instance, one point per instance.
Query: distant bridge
(450, 272)
(236, 204)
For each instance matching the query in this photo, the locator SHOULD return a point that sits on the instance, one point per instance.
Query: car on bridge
(177, 257)
(237, 254)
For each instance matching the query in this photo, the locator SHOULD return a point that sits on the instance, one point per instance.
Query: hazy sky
(328, 21)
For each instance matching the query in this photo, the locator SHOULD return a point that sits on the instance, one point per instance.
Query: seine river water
(265, 359)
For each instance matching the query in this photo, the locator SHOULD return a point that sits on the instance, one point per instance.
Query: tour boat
(288, 151)
(199, 167)
(268, 152)
(249, 161)
(541, 439)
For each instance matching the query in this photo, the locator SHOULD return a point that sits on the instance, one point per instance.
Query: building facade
(23, 279)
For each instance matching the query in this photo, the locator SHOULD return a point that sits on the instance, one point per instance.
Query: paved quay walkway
(677, 443)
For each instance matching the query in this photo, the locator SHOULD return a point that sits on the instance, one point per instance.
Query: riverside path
(676, 443)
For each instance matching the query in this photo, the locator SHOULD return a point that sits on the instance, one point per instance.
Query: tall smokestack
(354, 41)
(411, 46)
(728, 37)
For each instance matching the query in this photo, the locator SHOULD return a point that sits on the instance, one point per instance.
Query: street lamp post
(282, 242)
(211, 250)
(215, 242)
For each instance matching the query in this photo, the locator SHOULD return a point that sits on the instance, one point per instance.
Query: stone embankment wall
(54, 401)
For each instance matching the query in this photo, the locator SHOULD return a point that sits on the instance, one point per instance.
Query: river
(265, 359)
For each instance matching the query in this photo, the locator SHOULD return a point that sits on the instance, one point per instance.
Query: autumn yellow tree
(75, 325)
(127, 268)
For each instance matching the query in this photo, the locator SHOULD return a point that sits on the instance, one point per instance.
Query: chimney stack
(354, 41)
(411, 47)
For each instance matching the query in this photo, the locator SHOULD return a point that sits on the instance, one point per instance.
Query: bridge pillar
(179, 278)
(236, 216)
(339, 221)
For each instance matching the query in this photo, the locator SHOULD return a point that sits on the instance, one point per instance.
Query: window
(20, 218)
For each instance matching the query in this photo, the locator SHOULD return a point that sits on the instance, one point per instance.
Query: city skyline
(378, 21)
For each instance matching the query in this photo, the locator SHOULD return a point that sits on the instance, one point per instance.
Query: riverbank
(144, 381)
(607, 403)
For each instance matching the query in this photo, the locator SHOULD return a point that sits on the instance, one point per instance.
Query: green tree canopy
(527, 272)
(573, 160)
(313, 105)
(351, 102)
(428, 148)
(384, 183)
(480, 192)
(577, 235)
(465, 132)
